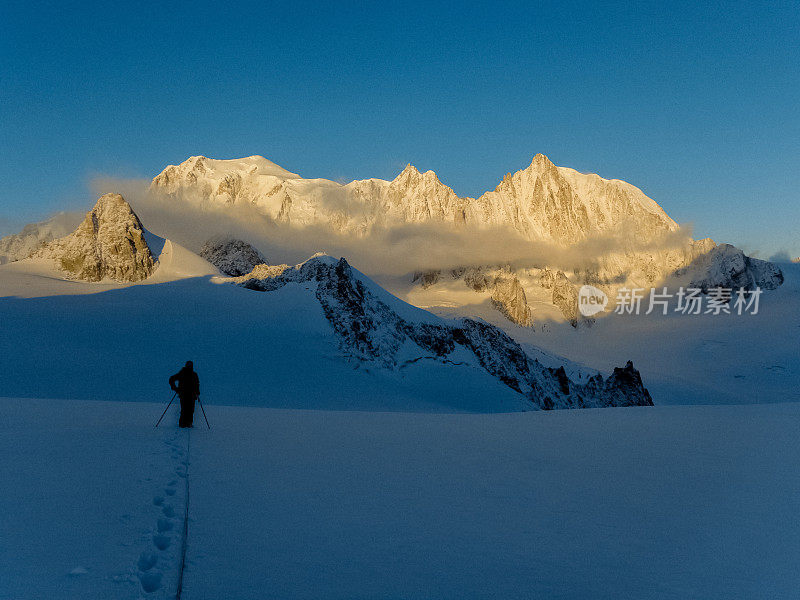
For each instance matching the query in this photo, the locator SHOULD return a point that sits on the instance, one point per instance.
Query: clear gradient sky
(696, 103)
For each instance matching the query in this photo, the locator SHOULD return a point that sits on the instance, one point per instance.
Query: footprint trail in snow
(160, 564)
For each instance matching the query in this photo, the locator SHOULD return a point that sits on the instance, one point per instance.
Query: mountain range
(542, 203)
(367, 318)
(641, 246)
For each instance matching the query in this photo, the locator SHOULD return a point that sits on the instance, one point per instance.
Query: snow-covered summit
(546, 202)
(195, 167)
(414, 197)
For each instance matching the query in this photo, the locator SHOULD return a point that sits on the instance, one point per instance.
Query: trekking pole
(166, 409)
(204, 412)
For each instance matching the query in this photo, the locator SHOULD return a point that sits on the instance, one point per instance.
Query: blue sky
(696, 103)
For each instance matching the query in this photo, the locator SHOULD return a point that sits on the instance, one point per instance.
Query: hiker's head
(189, 365)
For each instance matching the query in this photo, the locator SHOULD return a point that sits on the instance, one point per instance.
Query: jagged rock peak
(540, 160)
(540, 164)
(409, 169)
(108, 244)
(410, 172)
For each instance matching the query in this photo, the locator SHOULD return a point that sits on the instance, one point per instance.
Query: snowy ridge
(370, 330)
(542, 201)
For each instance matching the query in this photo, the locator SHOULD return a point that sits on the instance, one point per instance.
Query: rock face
(108, 244)
(369, 330)
(726, 266)
(565, 296)
(507, 294)
(34, 236)
(231, 256)
(427, 278)
(509, 298)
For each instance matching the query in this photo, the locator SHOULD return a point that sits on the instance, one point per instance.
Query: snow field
(663, 502)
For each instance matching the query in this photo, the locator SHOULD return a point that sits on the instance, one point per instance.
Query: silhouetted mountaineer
(188, 389)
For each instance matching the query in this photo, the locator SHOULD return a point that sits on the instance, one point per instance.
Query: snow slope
(662, 503)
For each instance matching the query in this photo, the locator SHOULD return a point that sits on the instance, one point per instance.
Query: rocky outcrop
(426, 278)
(231, 256)
(726, 266)
(108, 244)
(565, 296)
(368, 329)
(507, 294)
